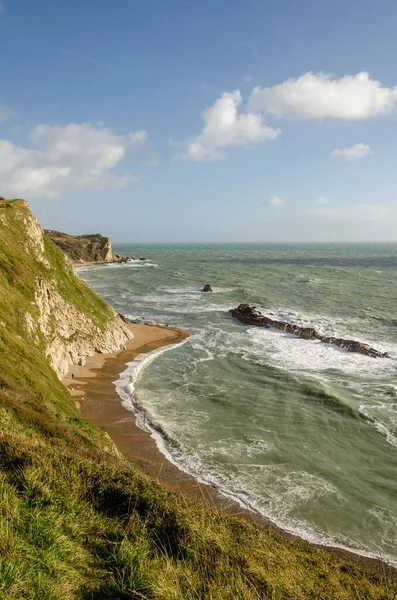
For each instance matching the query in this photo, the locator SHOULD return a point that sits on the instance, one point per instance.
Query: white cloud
(276, 201)
(321, 200)
(75, 155)
(355, 152)
(225, 127)
(319, 95)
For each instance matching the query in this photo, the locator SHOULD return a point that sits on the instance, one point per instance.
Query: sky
(211, 121)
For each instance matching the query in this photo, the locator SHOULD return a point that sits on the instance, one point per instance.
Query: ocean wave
(125, 385)
(383, 416)
(182, 304)
(130, 265)
(293, 488)
(134, 264)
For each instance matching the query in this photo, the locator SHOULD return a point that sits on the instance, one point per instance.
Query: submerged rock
(207, 288)
(248, 314)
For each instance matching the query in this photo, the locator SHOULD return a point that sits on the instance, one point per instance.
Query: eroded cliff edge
(46, 300)
(83, 248)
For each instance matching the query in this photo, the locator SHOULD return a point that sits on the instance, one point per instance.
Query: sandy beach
(92, 387)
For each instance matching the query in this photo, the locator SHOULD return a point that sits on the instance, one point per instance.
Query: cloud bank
(319, 96)
(77, 155)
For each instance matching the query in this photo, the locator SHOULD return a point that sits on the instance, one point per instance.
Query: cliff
(77, 521)
(43, 298)
(83, 248)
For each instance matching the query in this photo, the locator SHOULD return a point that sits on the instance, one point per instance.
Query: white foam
(183, 304)
(387, 522)
(131, 265)
(208, 355)
(125, 385)
(312, 356)
(299, 486)
(378, 413)
(353, 328)
(236, 449)
(82, 269)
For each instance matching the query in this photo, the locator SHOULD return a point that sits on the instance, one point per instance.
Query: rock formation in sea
(83, 248)
(207, 288)
(250, 315)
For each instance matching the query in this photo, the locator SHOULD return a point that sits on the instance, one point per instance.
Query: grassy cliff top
(78, 522)
(25, 255)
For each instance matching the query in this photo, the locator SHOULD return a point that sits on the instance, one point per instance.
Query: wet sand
(92, 386)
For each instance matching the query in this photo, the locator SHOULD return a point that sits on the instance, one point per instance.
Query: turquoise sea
(302, 432)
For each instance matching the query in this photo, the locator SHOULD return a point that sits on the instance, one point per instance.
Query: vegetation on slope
(79, 522)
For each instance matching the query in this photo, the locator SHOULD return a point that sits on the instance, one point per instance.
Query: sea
(301, 432)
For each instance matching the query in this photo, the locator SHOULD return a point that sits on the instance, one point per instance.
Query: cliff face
(70, 334)
(48, 304)
(83, 248)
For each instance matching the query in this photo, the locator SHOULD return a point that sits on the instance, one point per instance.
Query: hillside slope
(42, 298)
(76, 520)
(83, 248)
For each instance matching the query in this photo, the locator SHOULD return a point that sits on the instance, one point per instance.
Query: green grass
(78, 522)
(75, 291)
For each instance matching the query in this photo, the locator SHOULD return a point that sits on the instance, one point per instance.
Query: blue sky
(202, 121)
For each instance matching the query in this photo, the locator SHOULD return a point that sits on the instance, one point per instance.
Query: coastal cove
(80, 520)
(93, 388)
(241, 408)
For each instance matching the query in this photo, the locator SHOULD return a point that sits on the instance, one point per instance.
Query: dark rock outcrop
(119, 259)
(207, 288)
(248, 314)
(83, 248)
(126, 319)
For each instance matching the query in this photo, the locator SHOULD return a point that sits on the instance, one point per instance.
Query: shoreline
(95, 394)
